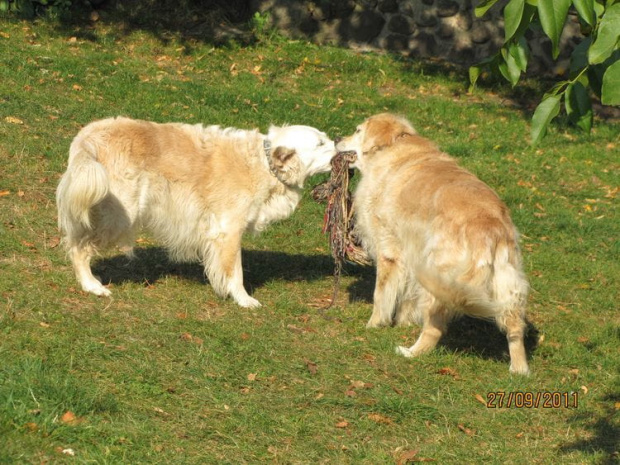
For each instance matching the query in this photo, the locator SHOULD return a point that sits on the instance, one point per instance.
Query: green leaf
(579, 57)
(513, 12)
(474, 74)
(579, 106)
(544, 113)
(483, 7)
(585, 8)
(552, 14)
(611, 85)
(607, 36)
(520, 51)
(509, 68)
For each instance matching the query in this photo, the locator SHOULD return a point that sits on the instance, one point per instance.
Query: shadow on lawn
(605, 431)
(259, 267)
(464, 335)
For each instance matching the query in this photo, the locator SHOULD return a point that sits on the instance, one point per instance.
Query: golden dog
(442, 240)
(196, 188)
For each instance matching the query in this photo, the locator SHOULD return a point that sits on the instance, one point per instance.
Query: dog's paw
(248, 302)
(521, 369)
(377, 323)
(404, 351)
(97, 289)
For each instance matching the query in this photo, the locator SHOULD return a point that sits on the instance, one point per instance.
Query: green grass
(167, 372)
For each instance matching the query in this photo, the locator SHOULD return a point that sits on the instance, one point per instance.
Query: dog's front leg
(386, 291)
(224, 270)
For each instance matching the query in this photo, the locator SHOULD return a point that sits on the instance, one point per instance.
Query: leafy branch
(594, 65)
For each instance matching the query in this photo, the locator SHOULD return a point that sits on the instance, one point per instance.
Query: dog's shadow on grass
(464, 335)
(151, 264)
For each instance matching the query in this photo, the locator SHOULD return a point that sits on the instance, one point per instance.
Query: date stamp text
(528, 399)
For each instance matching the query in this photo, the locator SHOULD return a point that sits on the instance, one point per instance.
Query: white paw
(248, 302)
(97, 289)
(520, 369)
(404, 351)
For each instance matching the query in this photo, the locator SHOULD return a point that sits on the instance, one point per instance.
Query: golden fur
(442, 240)
(196, 188)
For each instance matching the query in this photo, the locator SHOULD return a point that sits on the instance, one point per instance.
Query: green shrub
(594, 66)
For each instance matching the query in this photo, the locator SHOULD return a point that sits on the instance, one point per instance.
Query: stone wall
(445, 29)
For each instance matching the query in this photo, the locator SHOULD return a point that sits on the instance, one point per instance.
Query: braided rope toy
(339, 221)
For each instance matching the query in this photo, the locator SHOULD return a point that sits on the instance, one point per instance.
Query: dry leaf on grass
(447, 371)
(13, 120)
(312, 367)
(410, 456)
(378, 418)
(480, 399)
(69, 418)
(342, 424)
(467, 431)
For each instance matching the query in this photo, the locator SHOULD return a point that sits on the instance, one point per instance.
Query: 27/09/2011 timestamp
(527, 399)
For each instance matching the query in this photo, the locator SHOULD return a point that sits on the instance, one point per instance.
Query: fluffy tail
(84, 184)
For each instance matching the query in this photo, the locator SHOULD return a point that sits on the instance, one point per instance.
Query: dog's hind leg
(514, 325)
(80, 257)
(225, 272)
(436, 317)
(387, 289)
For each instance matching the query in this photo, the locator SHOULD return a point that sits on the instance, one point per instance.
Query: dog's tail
(84, 184)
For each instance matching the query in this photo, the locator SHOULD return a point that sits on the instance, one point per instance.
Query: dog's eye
(358, 130)
(321, 143)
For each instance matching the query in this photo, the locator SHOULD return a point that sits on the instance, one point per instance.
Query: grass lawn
(167, 372)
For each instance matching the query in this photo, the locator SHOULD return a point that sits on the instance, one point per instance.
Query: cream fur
(196, 188)
(442, 240)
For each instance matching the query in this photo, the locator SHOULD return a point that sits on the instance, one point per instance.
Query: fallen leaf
(252, 377)
(584, 389)
(449, 372)
(378, 418)
(5, 192)
(350, 393)
(53, 242)
(467, 431)
(70, 452)
(43, 324)
(69, 418)
(13, 120)
(312, 367)
(407, 456)
(31, 427)
(342, 424)
(480, 399)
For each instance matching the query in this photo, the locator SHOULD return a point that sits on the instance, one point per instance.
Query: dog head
(375, 133)
(297, 152)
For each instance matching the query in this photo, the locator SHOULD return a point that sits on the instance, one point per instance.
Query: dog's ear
(384, 130)
(281, 156)
(285, 165)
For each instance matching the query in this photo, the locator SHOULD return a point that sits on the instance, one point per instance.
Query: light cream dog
(196, 188)
(443, 241)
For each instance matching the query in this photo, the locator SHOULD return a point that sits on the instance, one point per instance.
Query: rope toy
(339, 221)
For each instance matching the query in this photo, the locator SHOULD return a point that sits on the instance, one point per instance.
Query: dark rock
(426, 19)
(363, 26)
(396, 42)
(388, 6)
(400, 25)
(447, 8)
(479, 33)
